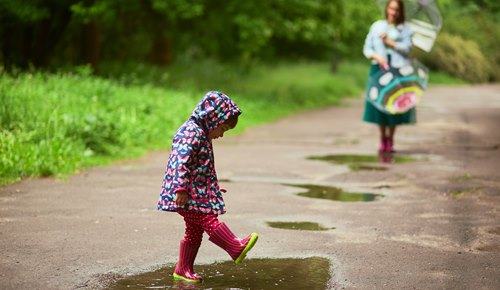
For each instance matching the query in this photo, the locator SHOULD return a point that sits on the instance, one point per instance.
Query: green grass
(441, 78)
(264, 92)
(53, 124)
(56, 123)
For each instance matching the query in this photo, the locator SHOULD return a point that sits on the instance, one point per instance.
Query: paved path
(102, 223)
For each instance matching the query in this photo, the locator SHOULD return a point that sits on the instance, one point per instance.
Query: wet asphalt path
(437, 225)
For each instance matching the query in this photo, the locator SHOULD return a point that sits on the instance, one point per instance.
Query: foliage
(357, 18)
(55, 33)
(160, 30)
(476, 21)
(490, 5)
(23, 11)
(458, 57)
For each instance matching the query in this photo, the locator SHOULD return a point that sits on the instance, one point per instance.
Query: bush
(458, 57)
(475, 20)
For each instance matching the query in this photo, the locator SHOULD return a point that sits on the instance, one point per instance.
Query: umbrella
(425, 20)
(397, 90)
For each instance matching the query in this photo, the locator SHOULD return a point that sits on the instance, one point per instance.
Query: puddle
(357, 167)
(489, 248)
(309, 273)
(461, 178)
(459, 192)
(359, 162)
(334, 193)
(306, 226)
(345, 141)
(494, 231)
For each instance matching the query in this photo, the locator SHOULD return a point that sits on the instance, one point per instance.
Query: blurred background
(86, 82)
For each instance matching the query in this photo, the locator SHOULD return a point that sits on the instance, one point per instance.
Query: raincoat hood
(214, 109)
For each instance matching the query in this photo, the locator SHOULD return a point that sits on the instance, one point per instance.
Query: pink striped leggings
(196, 224)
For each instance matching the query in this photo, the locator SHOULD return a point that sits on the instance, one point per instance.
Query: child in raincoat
(190, 185)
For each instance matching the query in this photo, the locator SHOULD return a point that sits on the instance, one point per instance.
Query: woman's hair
(401, 7)
(232, 121)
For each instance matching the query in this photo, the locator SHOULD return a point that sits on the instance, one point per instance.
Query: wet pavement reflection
(305, 226)
(334, 193)
(364, 162)
(308, 273)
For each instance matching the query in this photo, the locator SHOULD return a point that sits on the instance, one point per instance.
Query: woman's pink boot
(184, 268)
(383, 145)
(390, 145)
(235, 247)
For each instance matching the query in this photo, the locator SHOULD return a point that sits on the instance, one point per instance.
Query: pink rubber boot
(383, 145)
(390, 145)
(184, 268)
(235, 247)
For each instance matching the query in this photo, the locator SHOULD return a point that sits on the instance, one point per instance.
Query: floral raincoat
(191, 164)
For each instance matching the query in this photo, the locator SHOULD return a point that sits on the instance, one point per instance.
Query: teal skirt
(373, 115)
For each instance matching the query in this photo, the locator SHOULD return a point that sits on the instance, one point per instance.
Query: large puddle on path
(364, 162)
(489, 248)
(334, 193)
(305, 226)
(309, 273)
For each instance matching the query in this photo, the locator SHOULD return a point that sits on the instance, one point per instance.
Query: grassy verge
(57, 123)
(265, 92)
(441, 78)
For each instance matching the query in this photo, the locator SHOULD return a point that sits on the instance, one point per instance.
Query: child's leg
(222, 236)
(194, 230)
(188, 250)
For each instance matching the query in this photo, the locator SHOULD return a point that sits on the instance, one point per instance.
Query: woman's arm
(404, 45)
(369, 47)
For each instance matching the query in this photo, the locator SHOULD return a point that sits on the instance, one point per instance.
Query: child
(190, 184)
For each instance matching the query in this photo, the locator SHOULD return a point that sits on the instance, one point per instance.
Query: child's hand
(181, 198)
(381, 61)
(387, 41)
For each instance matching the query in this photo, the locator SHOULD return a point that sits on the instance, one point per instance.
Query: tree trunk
(91, 48)
(161, 51)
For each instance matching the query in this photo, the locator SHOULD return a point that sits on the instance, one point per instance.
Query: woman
(388, 44)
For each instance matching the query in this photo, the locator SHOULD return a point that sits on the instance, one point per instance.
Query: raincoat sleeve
(184, 151)
(404, 45)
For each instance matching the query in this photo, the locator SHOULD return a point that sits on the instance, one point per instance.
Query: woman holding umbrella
(388, 44)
